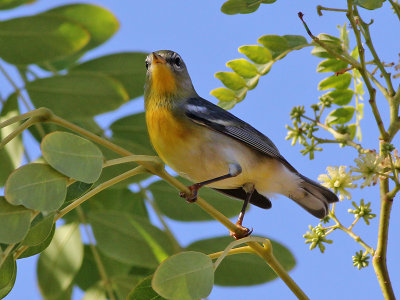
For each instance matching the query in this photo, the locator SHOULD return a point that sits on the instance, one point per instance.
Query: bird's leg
(234, 170)
(249, 188)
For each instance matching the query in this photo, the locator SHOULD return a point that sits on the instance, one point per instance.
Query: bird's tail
(313, 197)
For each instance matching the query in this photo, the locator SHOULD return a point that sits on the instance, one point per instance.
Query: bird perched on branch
(210, 146)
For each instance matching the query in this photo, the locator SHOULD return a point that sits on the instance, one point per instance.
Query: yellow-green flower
(338, 180)
(368, 165)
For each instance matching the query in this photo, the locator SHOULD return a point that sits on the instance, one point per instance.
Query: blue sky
(206, 40)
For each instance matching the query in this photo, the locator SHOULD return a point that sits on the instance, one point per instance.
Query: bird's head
(167, 76)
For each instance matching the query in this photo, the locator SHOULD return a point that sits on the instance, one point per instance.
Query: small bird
(208, 145)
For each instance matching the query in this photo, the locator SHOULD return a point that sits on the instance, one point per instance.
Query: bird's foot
(241, 232)
(192, 196)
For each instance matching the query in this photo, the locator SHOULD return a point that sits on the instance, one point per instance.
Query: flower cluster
(369, 166)
(362, 211)
(316, 237)
(339, 180)
(360, 260)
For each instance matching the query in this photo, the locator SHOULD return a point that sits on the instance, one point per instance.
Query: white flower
(338, 180)
(368, 165)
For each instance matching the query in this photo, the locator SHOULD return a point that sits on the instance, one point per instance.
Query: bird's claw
(242, 232)
(192, 197)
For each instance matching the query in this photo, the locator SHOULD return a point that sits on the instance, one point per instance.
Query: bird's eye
(177, 61)
(147, 65)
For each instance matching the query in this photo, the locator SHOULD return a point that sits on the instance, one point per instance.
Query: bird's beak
(158, 59)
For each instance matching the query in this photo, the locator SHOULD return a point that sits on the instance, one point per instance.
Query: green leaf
(143, 290)
(11, 154)
(76, 190)
(40, 229)
(168, 200)
(232, 7)
(332, 42)
(245, 268)
(89, 274)
(98, 21)
(257, 54)
(14, 222)
(77, 96)
(7, 270)
(48, 38)
(295, 40)
(9, 4)
(73, 156)
(243, 67)
(144, 244)
(231, 80)
(36, 186)
(131, 132)
(60, 262)
(331, 65)
(33, 250)
(340, 97)
(122, 200)
(341, 81)
(186, 275)
(276, 44)
(128, 68)
(8, 274)
(340, 116)
(369, 4)
(223, 94)
(344, 35)
(227, 105)
(318, 51)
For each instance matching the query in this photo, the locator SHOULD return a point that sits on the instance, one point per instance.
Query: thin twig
(321, 8)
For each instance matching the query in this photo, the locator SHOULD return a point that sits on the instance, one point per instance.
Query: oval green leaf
(77, 96)
(295, 40)
(131, 132)
(73, 156)
(231, 80)
(341, 81)
(41, 228)
(331, 65)
(232, 7)
(122, 200)
(128, 68)
(36, 186)
(223, 94)
(60, 262)
(88, 16)
(185, 276)
(257, 54)
(33, 250)
(276, 44)
(7, 270)
(243, 67)
(369, 4)
(318, 51)
(8, 274)
(340, 97)
(14, 222)
(245, 268)
(144, 244)
(168, 201)
(48, 38)
(143, 290)
(340, 116)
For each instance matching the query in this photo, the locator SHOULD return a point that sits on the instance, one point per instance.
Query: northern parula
(208, 145)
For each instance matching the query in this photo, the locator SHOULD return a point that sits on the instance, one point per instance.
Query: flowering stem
(352, 234)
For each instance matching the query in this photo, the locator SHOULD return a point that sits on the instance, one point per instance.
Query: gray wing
(216, 118)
